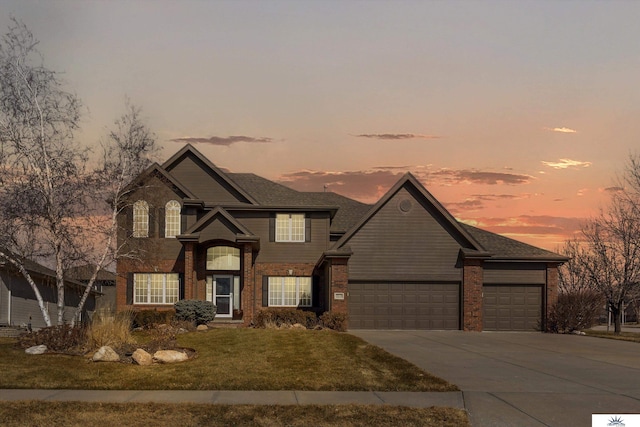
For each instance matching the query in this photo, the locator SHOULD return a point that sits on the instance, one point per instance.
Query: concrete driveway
(525, 379)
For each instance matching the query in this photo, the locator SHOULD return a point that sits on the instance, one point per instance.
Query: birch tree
(39, 161)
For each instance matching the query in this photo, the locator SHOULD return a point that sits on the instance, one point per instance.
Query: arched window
(140, 219)
(172, 219)
(223, 258)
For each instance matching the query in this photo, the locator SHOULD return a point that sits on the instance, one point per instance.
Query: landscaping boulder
(36, 349)
(169, 356)
(202, 328)
(105, 354)
(141, 357)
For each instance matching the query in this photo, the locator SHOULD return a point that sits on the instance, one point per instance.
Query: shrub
(196, 311)
(147, 318)
(109, 328)
(575, 310)
(278, 317)
(56, 338)
(335, 321)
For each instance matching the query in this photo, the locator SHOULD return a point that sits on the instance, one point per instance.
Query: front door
(222, 294)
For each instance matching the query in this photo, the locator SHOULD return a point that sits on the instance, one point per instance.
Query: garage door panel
(404, 306)
(512, 307)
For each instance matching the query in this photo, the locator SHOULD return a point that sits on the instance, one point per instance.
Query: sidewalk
(238, 397)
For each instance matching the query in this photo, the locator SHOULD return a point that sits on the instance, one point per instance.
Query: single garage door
(404, 306)
(512, 307)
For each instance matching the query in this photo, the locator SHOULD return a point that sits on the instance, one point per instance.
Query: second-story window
(290, 227)
(172, 219)
(140, 219)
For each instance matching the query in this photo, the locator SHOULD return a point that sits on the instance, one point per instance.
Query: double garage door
(437, 306)
(404, 306)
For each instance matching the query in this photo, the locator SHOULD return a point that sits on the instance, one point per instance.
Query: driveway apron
(525, 379)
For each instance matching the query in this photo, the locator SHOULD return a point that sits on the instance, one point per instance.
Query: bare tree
(611, 259)
(127, 151)
(40, 162)
(51, 206)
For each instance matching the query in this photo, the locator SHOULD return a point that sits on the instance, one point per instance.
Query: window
(155, 288)
(223, 258)
(172, 219)
(140, 219)
(290, 291)
(290, 227)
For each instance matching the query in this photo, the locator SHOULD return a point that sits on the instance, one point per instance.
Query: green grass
(232, 359)
(623, 336)
(186, 415)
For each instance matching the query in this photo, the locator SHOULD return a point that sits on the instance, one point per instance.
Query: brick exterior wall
(248, 295)
(339, 280)
(553, 280)
(472, 295)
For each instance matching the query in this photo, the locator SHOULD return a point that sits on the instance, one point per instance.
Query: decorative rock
(298, 326)
(141, 357)
(202, 328)
(36, 349)
(169, 356)
(105, 354)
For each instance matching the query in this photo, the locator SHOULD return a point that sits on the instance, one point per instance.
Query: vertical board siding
(404, 245)
(4, 302)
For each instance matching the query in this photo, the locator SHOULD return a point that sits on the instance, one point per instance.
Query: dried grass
(109, 328)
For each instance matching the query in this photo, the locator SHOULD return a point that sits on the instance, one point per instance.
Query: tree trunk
(616, 313)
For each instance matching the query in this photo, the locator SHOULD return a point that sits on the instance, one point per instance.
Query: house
(18, 304)
(105, 284)
(247, 243)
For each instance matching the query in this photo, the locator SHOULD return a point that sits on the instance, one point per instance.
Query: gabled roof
(189, 150)
(240, 231)
(409, 180)
(157, 169)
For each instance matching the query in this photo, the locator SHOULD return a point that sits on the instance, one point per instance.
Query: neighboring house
(247, 243)
(105, 284)
(18, 304)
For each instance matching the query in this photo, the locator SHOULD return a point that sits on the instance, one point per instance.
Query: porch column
(189, 270)
(472, 295)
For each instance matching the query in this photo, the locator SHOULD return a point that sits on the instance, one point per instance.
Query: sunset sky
(516, 115)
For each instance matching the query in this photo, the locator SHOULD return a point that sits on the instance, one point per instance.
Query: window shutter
(272, 227)
(265, 291)
(129, 288)
(181, 286)
(315, 291)
(183, 220)
(162, 220)
(307, 228)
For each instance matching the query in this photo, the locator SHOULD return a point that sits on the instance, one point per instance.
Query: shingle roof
(505, 248)
(269, 193)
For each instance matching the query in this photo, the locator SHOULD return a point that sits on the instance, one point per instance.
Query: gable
(204, 179)
(404, 239)
(217, 225)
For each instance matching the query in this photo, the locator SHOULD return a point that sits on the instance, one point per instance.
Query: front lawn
(231, 359)
(146, 414)
(623, 336)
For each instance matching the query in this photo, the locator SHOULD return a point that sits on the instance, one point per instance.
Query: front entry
(220, 292)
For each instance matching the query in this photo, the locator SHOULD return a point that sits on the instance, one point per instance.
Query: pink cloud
(396, 136)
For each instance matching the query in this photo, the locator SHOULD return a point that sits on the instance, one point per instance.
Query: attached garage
(404, 306)
(512, 307)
